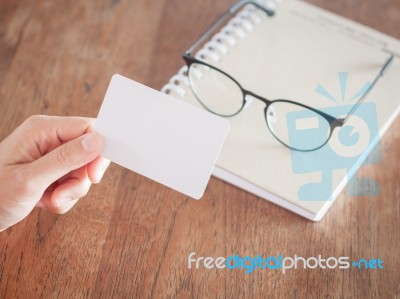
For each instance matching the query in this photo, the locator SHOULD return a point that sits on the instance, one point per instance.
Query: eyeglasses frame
(333, 121)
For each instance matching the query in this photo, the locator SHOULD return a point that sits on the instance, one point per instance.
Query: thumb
(66, 158)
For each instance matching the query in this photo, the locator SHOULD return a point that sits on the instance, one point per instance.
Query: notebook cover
(308, 55)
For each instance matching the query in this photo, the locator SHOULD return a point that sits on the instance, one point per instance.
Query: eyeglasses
(221, 94)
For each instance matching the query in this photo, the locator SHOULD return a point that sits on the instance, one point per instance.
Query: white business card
(160, 137)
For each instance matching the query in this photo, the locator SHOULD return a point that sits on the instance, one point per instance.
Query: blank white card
(160, 137)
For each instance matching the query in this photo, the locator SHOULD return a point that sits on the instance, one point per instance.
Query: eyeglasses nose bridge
(248, 100)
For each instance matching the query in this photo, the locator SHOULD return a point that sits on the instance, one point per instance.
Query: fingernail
(62, 201)
(90, 142)
(98, 178)
(101, 172)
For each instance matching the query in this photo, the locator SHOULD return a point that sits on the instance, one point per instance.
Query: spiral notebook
(314, 57)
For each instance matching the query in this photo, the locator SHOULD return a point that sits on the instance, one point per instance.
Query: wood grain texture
(130, 237)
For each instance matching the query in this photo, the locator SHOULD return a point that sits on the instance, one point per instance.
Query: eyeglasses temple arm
(370, 87)
(223, 17)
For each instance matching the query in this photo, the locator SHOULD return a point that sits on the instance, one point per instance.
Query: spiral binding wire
(228, 37)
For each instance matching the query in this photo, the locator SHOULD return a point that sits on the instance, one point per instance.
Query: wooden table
(131, 237)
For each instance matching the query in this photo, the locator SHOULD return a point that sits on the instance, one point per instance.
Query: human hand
(48, 162)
